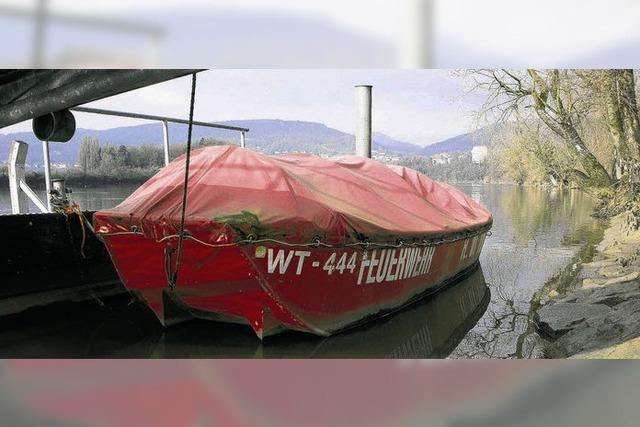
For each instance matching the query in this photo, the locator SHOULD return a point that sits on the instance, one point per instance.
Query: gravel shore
(598, 316)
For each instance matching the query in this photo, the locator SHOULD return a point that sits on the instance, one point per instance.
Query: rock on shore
(601, 317)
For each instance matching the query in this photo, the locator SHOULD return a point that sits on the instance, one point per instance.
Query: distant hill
(266, 135)
(386, 143)
(464, 142)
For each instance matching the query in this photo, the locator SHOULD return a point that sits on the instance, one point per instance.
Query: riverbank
(594, 311)
(80, 179)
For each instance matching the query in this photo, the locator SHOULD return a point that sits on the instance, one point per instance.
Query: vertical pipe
(165, 134)
(153, 54)
(17, 159)
(363, 120)
(40, 22)
(416, 47)
(47, 172)
(243, 141)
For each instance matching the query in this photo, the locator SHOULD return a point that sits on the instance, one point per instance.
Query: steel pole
(47, 172)
(165, 134)
(157, 118)
(363, 120)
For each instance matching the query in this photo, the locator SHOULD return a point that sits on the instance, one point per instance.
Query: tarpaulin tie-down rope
(317, 243)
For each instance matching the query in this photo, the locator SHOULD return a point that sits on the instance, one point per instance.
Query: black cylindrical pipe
(58, 126)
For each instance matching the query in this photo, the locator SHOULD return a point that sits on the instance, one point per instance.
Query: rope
(60, 204)
(74, 208)
(173, 278)
(77, 210)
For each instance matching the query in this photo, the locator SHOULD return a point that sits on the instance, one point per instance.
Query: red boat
(292, 242)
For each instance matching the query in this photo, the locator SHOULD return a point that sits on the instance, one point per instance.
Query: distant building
(441, 159)
(384, 157)
(479, 153)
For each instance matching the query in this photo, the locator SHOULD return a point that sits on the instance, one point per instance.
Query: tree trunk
(597, 173)
(560, 121)
(611, 92)
(629, 109)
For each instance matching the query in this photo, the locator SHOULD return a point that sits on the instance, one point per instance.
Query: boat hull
(274, 287)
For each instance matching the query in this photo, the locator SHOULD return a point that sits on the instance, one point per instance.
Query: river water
(536, 234)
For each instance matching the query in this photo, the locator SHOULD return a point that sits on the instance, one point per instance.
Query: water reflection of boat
(431, 327)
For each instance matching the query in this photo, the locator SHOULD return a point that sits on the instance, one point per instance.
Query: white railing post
(165, 134)
(18, 189)
(17, 159)
(47, 172)
(243, 140)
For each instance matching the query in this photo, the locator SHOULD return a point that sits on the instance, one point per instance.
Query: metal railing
(165, 124)
(21, 192)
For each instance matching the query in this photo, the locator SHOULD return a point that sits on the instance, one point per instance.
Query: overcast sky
(418, 106)
(540, 33)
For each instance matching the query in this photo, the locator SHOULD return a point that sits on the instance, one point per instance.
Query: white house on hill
(479, 153)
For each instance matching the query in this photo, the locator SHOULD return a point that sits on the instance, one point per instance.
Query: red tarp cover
(234, 192)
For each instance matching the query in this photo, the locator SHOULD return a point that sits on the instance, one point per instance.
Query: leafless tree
(559, 100)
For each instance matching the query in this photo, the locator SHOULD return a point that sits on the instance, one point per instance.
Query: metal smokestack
(363, 121)
(416, 45)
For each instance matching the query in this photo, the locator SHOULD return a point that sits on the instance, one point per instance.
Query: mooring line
(174, 277)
